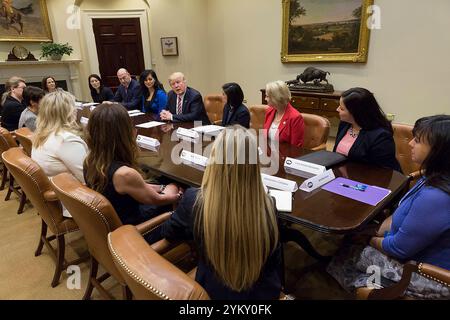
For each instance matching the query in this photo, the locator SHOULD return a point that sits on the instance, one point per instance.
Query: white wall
(407, 66)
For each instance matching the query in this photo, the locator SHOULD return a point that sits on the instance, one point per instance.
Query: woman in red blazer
(282, 121)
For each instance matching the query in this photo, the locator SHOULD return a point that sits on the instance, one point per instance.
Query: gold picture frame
(24, 21)
(332, 32)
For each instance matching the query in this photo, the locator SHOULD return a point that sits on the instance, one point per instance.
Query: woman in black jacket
(12, 105)
(99, 92)
(234, 112)
(365, 134)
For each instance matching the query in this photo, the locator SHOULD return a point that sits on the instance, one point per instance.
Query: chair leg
(126, 293)
(10, 187)
(23, 200)
(4, 177)
(41, 239)
(92, 276)
(60, 251)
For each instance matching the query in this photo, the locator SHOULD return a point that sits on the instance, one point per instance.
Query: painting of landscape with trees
(330, 30)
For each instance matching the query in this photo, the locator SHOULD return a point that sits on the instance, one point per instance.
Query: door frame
(89, 14)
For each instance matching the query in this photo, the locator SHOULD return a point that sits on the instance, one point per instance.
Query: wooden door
(119, 45)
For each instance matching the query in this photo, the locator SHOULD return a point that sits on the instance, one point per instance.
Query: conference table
(319, 210)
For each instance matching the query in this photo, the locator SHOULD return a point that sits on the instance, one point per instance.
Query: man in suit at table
(129, 91)
(184, 104)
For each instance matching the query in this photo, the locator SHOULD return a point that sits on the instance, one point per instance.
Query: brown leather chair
(24, 136)
(35, 183)
(317, 129)
(397, 291)
(257, 116)
(214, 107)
(96, 218)
(6, 142)
(402, 137)
(148, 275)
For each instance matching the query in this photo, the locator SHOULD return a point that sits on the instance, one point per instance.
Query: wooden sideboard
(322, 104)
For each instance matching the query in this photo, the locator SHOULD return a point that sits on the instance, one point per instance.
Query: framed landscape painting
(325, 30)
(24, 20)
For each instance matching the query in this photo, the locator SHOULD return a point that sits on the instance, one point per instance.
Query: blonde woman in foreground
(57, 145)
(232, 222)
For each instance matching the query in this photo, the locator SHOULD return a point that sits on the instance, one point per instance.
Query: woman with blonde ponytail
(232, 222)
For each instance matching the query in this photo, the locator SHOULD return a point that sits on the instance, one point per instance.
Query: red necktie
(179, 109)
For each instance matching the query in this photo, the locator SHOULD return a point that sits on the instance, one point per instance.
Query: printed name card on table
(84, 121)
(182, 132)
(150, 124)
(134, 113)
(302, 168)
(209, 129)
(317, 181)
(147, 143)
(279, 183)
(194, 158)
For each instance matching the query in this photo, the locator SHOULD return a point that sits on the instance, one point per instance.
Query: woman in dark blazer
(99, 92)
(234, 112)
(364, 134)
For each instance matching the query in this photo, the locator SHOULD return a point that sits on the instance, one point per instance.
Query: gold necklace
(352, 133)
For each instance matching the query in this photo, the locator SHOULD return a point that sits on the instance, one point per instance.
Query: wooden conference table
(319, 210)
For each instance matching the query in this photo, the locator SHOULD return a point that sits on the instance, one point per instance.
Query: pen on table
(351, 187)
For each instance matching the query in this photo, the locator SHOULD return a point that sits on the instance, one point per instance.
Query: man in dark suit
(184, 104)
(129, 91)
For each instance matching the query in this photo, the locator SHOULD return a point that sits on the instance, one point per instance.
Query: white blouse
(64, 152)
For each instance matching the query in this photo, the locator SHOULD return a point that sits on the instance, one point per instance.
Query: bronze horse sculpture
(13, 15)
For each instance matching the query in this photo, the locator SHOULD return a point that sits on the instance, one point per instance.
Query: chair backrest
(148, 275)
(257, 116)
(36, 185)
(93, 213)
(214, 107)
(6, 140)
(317, 129)
(24, 135)
(402, 137)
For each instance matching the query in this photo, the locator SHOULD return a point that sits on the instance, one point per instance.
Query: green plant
(55, 49)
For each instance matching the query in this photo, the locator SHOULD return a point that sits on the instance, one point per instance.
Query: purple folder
(348, 188)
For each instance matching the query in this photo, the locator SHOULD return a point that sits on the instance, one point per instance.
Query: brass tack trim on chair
(419, 269)
(87, 204)
(134, 275)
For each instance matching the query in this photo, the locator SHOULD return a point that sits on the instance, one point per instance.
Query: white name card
(317, 181)
(302, 168)
(209, 129)
(187, 133)
(279, 183)
(84, 121)
(147, 143)
(194, 158)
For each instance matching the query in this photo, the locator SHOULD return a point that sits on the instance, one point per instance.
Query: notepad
(349, 188)
(150, 124)
(136, 114)
(133, 111)
(283, 200)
